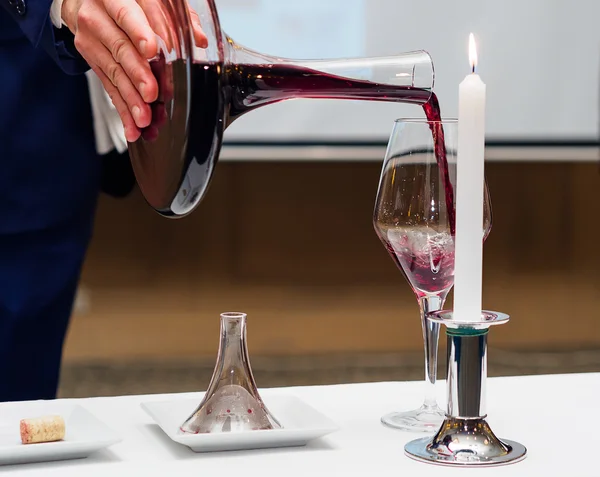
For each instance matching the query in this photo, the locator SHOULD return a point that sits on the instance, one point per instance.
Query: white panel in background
(297, 29)
(539, 58)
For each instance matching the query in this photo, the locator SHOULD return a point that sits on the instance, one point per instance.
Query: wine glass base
(424, 419)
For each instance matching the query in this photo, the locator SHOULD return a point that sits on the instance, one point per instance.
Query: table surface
(556, 417)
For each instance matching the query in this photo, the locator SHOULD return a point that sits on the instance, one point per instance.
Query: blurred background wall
(292, 245)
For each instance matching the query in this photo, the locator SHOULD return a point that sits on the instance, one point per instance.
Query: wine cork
(42, 429)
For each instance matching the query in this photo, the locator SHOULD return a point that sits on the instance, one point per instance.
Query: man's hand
(117, 40)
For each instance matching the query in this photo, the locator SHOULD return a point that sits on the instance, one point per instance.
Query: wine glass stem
(431, 332)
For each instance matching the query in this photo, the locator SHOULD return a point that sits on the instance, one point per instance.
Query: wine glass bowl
(414, 219)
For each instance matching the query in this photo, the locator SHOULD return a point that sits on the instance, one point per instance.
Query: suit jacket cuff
(59, 43)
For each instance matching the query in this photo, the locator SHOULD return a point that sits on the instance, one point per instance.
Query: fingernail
(136, 114)
(130, 135)
(143, 44)
(142, 90)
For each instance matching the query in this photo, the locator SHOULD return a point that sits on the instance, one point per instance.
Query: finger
(155, 14)
(200, 38)
(89, 55)
(132, 132)
(139, 109)
(94, 23)
(124, 52)
(130, 18)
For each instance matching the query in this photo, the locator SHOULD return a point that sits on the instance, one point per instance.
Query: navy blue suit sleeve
(33, 17)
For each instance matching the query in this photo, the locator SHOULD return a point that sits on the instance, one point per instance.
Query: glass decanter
(203, 89)
(232, 402)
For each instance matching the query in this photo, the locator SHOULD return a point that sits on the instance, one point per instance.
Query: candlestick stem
(467, 373)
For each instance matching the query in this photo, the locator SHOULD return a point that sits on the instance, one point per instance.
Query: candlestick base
(465, 438)
(465, 442)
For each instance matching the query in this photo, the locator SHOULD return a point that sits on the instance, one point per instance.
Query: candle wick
(473, 68)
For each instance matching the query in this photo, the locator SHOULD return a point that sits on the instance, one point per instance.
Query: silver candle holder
(465, 438)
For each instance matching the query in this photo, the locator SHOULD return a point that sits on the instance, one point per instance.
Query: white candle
(468, 267)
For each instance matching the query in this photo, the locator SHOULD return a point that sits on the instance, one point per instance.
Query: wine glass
(414, 219)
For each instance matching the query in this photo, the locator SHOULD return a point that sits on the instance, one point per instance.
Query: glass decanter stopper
(232, 402)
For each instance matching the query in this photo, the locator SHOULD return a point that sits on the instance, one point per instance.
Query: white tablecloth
(556, 417)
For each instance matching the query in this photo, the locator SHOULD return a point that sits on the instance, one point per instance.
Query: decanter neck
(255, 79)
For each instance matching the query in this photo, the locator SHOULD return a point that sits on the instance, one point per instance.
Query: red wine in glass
(425, 259)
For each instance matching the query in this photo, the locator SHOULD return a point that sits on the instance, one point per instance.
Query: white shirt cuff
(55, 13)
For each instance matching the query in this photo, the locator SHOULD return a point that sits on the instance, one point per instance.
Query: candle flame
(472, 52)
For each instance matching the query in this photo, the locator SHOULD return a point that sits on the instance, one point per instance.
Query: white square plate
(84, 433)
(301, 423)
